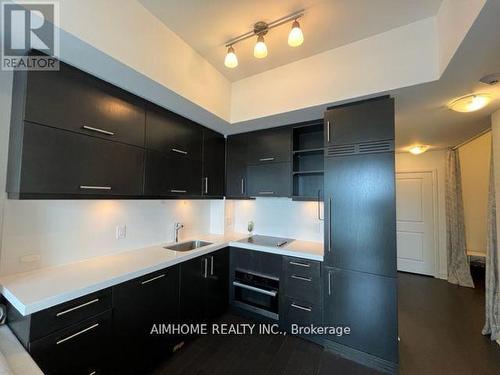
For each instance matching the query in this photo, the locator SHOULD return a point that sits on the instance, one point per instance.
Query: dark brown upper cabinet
(172, 134)
(172, 176)
(236, 166)
(270, 145)
(369, 121)
(74, 100)
(214, 157)
(61, 164)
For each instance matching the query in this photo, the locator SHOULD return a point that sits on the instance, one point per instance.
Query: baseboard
(362, 358)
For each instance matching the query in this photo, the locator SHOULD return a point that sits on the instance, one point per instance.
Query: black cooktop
(267, 241)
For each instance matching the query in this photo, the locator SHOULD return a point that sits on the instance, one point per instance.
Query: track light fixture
(295, 38)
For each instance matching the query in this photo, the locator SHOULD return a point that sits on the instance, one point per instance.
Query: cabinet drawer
(302, 313)
(255, 262)
(84, 104)
(271, 180)
(302, 267)
(172, 175)
(268, 146)
(80, 349)
(303, 287)
(69, 313)
(60, 162)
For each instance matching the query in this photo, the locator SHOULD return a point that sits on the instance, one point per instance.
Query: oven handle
(271, 293)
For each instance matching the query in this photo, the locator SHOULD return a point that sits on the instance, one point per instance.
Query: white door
(415, 222)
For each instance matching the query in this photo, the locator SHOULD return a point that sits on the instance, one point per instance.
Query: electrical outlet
(121, 232)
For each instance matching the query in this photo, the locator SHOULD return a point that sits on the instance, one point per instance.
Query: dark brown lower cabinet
(172, 175)
(138, 306)
(367, 304)
(204, 287)
(61, 163)
(83, 348)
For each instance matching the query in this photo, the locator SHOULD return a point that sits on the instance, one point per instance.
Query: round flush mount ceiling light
(418, 149)
(260, 49)
(470, 103)
(231, 61)
(295, 37)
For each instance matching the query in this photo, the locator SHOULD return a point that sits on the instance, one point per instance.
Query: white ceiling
(207, 25)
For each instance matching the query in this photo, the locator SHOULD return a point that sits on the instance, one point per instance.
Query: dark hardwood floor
(439, 326)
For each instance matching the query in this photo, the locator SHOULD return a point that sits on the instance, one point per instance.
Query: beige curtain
(492, 325)
(458, 264)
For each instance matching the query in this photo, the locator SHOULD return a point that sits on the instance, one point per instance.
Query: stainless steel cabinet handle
(152, 279)
(300, 264)
(178, 191)
(319, 206)
(211, 266)
(77, 334)
(93, 373)
(77, 307)
(329, 283)
(266, 192)
(97, 130)
(242, 186)
(329, 224)
(301, 307)
(271, 293)
(266, 159)
(91, 187)
(206, 185)
(205, 273)
(301, 278)
(328, 131)
(179, 151)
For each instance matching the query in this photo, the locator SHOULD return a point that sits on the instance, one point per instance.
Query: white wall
(431, 161)
(397, 58)
(128, 32)
(68, 231)
(63, 231)
(280, 217)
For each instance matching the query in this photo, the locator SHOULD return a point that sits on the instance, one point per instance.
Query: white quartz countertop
(37, 290)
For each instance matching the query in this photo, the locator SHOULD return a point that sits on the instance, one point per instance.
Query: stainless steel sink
(187, 246)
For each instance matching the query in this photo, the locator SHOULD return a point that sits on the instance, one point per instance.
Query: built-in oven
(257, 293)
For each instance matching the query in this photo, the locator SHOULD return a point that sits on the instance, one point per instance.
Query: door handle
(179, 151)
(205, 272)
(328, 132)
(330, 224)
(266, 159)
(308, 309)
(300, 264)
(97, 130)
(301, 278)
(77, 334)
(77, 307)
(329, 283)
(206, 185)
(319, 206)
(178, 191)
(271, 293)
(266, 192)
(242, 186)
(92, 187)
(152, 279)
(211, 266)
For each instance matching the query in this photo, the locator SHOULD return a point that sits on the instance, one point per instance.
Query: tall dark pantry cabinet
(360, 284)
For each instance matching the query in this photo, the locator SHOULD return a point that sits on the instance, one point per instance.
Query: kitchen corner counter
(33, 291)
